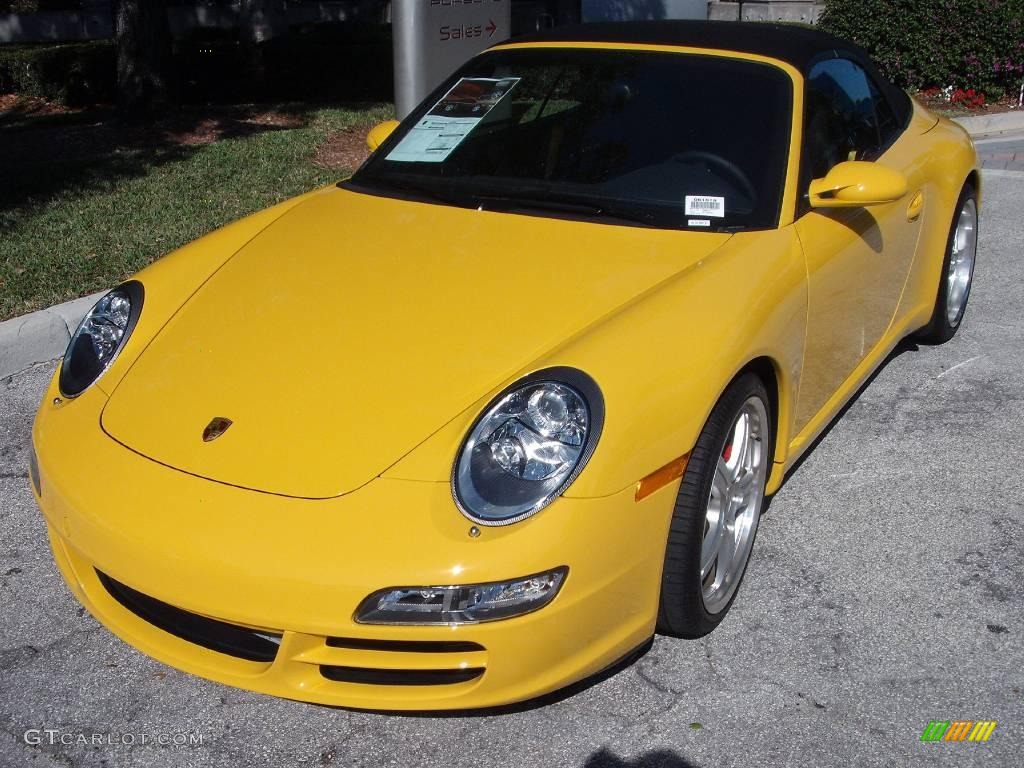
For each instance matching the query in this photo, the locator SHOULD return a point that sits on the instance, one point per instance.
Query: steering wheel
(719, 163)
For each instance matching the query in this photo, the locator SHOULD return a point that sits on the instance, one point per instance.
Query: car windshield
(661, 139)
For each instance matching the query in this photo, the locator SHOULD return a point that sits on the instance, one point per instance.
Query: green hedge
(76, 74)
(923, 44)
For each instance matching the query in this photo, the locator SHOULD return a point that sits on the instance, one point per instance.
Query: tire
(690, 605)
(957, 265)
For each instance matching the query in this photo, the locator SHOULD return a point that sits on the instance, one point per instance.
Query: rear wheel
(717, 511)
(957, 271)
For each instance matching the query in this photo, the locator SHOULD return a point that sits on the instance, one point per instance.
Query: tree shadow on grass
(45, 154)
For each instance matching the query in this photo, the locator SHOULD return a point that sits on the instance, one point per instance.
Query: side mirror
(856, 183)
(379, 134)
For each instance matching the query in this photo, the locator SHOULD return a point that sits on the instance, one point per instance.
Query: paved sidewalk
(1002, 155)
(997, 124)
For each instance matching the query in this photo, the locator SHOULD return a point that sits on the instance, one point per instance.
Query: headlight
(528, 446)
(100, 336)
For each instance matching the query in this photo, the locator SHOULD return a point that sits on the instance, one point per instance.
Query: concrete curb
(999, 173)
(40, 336)
(992, 125)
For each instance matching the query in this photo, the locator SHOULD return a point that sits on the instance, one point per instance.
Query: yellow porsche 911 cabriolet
(475, 423)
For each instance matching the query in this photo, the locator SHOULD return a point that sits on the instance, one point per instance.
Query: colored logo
(217, 427)
(958, 730)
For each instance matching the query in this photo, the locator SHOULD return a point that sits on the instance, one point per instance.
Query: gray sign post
(432, 38)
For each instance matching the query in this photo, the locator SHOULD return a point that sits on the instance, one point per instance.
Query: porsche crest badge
(217, 427)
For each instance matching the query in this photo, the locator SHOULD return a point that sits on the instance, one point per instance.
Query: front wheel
(717, 511)
(957, 271)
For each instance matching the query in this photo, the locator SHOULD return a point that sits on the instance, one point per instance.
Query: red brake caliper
(727, 452)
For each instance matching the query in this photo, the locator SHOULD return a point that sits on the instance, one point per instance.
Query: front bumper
(295, 570)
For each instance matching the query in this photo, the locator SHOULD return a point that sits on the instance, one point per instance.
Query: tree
(259, 20)
(143, 43)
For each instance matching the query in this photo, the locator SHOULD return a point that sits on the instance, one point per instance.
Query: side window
(842, 122)
(888, 126)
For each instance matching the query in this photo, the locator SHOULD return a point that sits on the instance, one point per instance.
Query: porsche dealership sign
(434, 37)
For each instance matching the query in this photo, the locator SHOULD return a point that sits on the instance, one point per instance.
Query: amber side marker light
(659, 478)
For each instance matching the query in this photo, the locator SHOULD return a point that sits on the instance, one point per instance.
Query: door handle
(915, 207)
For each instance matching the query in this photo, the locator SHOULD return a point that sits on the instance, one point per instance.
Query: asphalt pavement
(884, 592)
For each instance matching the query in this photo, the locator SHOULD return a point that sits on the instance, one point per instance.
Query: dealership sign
(433, 38)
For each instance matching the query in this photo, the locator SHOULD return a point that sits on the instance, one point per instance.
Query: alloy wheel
(734, 506)
(961, 261)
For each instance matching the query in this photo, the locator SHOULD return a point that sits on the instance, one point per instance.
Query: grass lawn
(86, 201)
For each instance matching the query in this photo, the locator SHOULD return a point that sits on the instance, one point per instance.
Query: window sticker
(705, 206)
(698, 222)
(451, 120)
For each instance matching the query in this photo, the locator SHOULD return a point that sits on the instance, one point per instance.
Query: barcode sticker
(705, 206)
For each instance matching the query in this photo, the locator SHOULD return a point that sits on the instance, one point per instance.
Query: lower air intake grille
(405, 646)
(219, 636)
(399, 676)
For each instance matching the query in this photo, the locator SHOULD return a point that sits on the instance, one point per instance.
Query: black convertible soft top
(795, 45)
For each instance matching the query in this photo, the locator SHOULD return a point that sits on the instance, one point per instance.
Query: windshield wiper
(558, 202)
(525, 197)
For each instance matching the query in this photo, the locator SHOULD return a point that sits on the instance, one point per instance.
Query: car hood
(355, 326)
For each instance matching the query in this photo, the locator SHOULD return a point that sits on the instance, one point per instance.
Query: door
(857, 258)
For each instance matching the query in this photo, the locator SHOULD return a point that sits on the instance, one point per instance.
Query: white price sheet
(451, 119)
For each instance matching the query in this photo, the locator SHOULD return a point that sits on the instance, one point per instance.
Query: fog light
(466, 604)
(33, 471)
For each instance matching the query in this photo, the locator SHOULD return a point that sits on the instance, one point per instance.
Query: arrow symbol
(491, 28)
